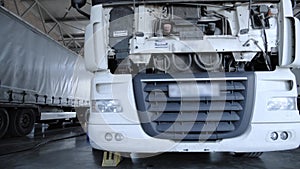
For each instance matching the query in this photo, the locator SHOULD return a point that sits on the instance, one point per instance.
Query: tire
(22, 122)
(97, 154)
(94, 150)
(4, 122)
(248, 155)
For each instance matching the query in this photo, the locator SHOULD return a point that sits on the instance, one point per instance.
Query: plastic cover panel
(33, 63)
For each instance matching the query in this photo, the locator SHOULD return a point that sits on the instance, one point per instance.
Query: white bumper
(257, 138)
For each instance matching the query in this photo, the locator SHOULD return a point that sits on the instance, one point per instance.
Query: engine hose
(167, 64)
(178, 67)
(207, 66)
(294, 3)
(82, 12)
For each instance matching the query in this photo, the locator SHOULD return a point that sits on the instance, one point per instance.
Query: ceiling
(58, 19)
(54, 17)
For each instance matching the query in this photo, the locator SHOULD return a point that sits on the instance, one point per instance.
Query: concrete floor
(76, 153)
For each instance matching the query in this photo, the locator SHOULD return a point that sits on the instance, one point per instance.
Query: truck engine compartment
(235, 37)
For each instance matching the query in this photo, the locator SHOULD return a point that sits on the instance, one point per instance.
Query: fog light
(119, 137)
(284, 135)
(108, 136)
(274, 136)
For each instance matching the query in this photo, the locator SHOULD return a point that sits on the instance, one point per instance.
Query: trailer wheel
(248, 155)
(4, 122)
(22, 122)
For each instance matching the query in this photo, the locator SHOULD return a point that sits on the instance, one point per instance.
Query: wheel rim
(25, 121)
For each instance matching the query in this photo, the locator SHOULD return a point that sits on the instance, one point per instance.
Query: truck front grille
(201, 116)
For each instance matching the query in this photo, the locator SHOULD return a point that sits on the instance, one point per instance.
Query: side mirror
(78, 3)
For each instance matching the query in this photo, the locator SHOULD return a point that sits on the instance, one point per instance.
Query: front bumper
(255, 139)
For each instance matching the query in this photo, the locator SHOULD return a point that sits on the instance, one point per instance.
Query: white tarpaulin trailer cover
(36, 69)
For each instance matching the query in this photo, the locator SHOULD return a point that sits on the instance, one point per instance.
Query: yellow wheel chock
(111, 159)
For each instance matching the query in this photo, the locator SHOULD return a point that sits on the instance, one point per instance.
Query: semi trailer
(40, 80)
(193, 76)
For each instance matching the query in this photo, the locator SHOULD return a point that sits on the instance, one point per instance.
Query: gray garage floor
(76, 153)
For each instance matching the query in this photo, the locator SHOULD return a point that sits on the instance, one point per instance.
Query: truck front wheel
(4, 122)
(22, 122)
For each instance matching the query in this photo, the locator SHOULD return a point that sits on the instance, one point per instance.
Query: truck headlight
(288, 103)
(106, 106)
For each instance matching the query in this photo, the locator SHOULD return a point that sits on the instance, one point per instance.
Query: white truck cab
(193, 76)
